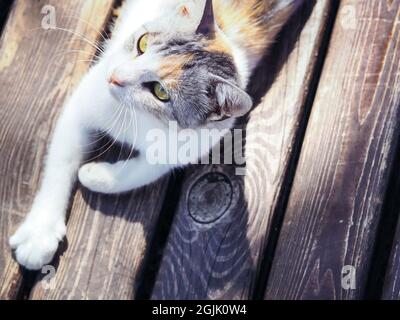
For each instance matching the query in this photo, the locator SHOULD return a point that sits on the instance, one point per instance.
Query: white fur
(92, 106)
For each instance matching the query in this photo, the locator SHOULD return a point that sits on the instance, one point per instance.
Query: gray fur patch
(193, 100)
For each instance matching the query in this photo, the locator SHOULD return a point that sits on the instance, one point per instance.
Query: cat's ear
(207, 23)
(232, 102)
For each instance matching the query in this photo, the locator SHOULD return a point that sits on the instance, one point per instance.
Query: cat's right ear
(232, 102)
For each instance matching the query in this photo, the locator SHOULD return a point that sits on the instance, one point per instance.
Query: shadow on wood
(223, 219)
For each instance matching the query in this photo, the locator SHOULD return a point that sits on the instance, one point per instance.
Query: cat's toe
(35, 247)
(97, 177)
(18, 237)
(36, 252)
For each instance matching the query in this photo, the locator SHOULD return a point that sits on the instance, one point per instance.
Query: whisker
(93, 60)
(112, 144)
(132, 149)
(116, 116)
(80, 37)
(75, 51)
(104, 133)
(123, 129)
(90, 61)
(135, 119)
(92, 26)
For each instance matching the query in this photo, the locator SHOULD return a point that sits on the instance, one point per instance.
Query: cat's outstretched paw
(35, 244)
(98, 177)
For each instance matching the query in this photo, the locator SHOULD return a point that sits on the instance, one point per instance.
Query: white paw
(35, 244)
(97, 177)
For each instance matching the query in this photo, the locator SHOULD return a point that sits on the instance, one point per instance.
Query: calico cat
(168, 60)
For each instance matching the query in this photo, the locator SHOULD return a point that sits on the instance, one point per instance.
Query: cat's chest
(134, 127)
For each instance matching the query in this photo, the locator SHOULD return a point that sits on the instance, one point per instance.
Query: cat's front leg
(36, 240)
(122, 176)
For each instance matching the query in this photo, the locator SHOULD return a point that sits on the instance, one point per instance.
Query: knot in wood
(210, 197)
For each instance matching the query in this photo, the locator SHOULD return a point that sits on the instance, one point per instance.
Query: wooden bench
(316, 203)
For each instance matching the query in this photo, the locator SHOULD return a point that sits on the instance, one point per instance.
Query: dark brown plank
(344, 167)
(223, 219)
(391, 289)
(34, 82)
(107, 240)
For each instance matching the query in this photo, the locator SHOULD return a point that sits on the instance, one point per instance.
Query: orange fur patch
(171, 68)
(218, 45)
(184, 11)
(243, 21)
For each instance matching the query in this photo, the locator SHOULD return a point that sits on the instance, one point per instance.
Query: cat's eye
(142, 43)
(160, 92)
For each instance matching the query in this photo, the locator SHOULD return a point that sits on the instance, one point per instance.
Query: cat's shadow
(259, 85)
(236, 239)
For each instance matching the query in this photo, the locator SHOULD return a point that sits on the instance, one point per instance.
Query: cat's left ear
(207, 23)
(232, 102)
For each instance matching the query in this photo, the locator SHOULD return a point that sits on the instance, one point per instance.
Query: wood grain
(35, 79)
(391, 288)
(107, 238)
(348, 151)
(223, 219)
(107, 242)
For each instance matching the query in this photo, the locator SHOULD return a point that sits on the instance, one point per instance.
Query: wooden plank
(107, 240)
(223, 219)
(34, 83)
(391, 288)
(344, 167)
(113, 264)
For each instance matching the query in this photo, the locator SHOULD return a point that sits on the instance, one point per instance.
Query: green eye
(160, 92)
(142, 43)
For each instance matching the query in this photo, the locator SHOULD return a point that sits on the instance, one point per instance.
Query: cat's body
(187, 69)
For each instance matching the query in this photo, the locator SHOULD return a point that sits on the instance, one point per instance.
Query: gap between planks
(5, 8)
(153, 212)
(221, 259)
(283, 197)
(383, 277)
(29, 154)
(348, 154)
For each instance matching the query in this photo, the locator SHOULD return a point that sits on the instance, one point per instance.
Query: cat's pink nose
(115, 81)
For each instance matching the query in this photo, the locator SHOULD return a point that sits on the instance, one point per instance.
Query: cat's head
(180, 69)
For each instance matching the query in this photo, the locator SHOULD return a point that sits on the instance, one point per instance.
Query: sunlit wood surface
(316, 197)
